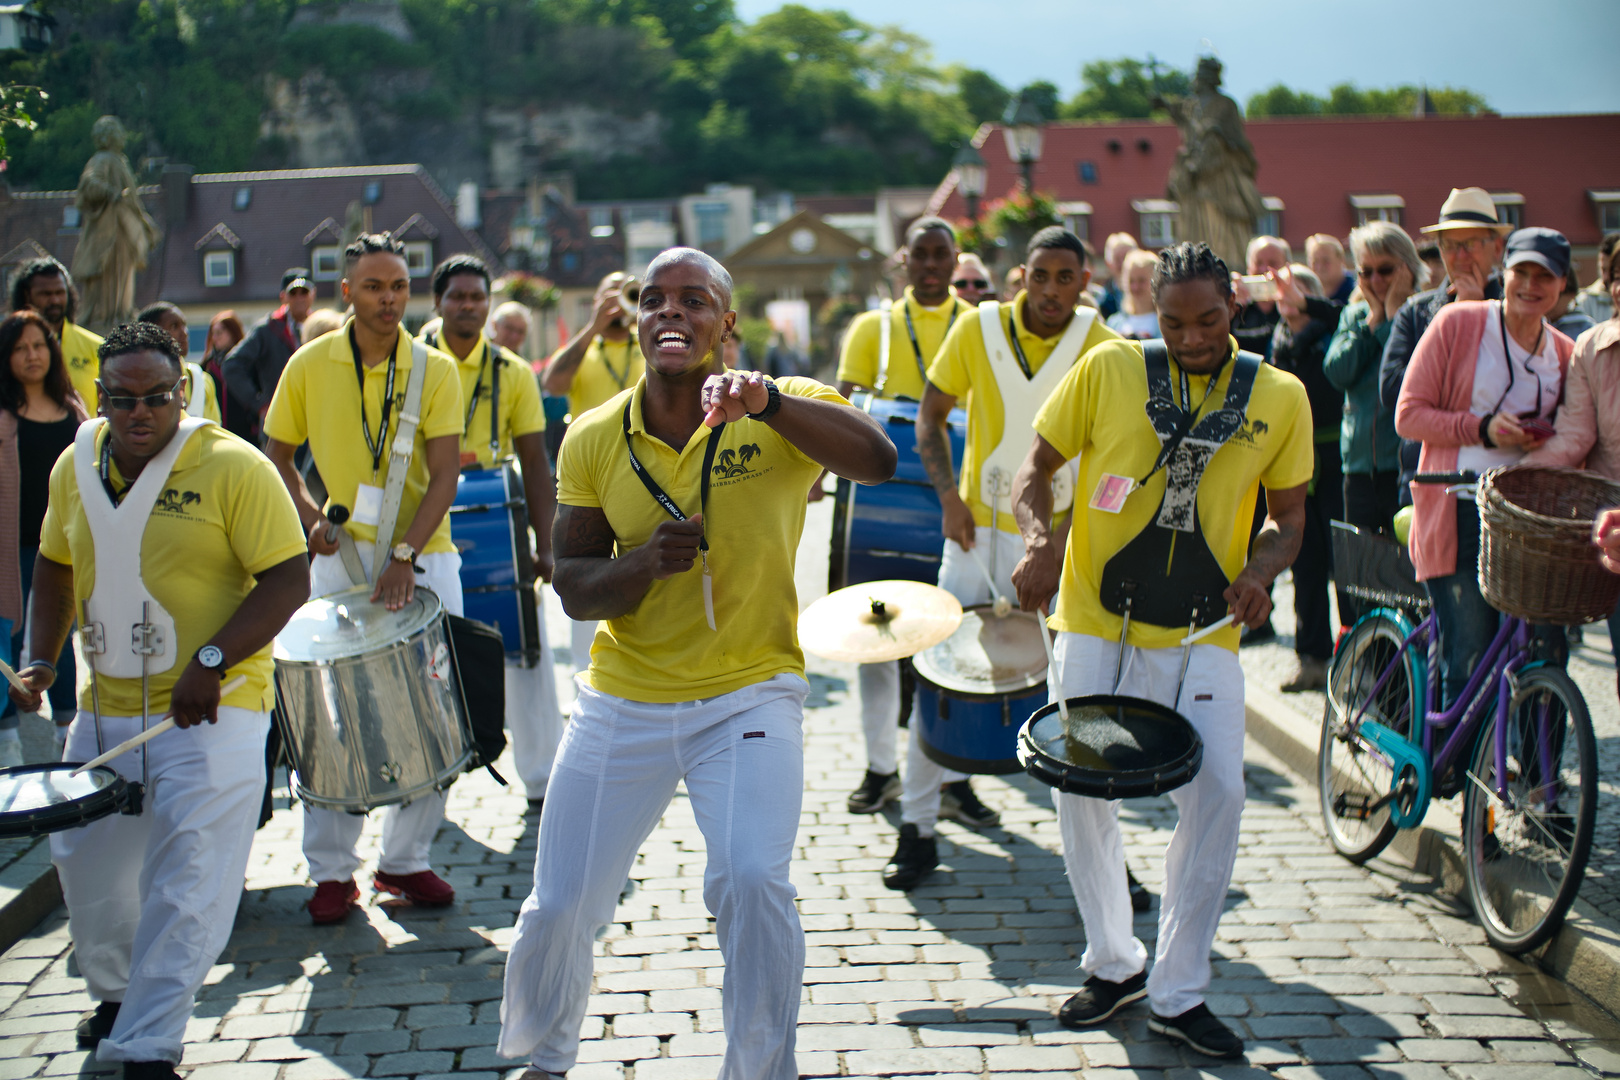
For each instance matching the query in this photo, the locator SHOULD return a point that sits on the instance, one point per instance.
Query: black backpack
(479, 655)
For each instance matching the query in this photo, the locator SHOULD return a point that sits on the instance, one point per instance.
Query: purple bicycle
(1517, 744)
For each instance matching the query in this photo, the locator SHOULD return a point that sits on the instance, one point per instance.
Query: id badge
(368, 499)
(1111, 493)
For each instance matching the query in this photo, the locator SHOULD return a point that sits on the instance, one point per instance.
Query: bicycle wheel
(1350, 777)
(1525, 852)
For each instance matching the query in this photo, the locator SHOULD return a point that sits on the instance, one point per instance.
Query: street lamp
(1023, 131)
(970, 176)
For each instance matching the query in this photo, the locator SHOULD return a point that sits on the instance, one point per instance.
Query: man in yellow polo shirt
(493, 378)
(892, 362)
(160, 522)
(202, 398)
(345, 393)
(45, 286)
(681, 502)
(1175, 439)
(1004, 379)
(603, 360)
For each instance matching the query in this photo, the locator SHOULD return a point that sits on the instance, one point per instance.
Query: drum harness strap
(399, 460)
(126, 513)
(1188, 586)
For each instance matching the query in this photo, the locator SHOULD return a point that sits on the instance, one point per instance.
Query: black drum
(39, 799)
(1114, 747)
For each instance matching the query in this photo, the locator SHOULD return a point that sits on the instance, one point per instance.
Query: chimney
(176, 185)
(467, 215)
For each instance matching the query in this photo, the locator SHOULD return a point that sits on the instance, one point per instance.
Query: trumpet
(629, 293)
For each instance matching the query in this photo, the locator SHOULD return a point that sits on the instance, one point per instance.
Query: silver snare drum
(370, 708)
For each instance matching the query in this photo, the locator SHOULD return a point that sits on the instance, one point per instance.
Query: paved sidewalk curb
(29, 891)
(1586, 952)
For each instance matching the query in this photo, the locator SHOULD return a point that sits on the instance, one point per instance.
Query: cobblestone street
(1332, 972)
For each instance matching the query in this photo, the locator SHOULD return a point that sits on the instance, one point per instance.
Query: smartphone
(1536, 427)
(1260, 287)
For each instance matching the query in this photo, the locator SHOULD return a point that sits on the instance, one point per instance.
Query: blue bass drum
(976, 688)
(489, 523)
(892, 530)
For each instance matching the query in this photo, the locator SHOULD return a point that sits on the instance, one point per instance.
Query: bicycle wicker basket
(1536, 558)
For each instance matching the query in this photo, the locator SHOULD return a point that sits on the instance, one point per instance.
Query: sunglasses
(971, 283)
(1378, 271)
(124, 403)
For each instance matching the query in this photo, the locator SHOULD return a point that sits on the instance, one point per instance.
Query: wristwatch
(773, 402)
(402, 552)
(211, 657)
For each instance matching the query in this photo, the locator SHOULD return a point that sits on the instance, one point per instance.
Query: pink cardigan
(1436, 396)
(1589, 418)
(11, 606)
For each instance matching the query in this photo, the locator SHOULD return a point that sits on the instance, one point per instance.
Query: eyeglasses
(1473, 245)
(124, 403)
(971, 283)
(1378, 271)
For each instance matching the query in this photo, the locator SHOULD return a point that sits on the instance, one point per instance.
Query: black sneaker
(1199, 1029)
(958, 803)
(96, 1025)
(1099, 999)
(1141, 899)
(914, 859)
(149, 1070)
(877, 790)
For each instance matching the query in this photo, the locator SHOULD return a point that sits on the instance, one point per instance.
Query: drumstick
(13, 678)
(1217, 625)
(167, 724)
(1002, 604)
(1051, 664)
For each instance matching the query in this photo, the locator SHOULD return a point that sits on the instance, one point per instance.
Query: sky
(1570, 48)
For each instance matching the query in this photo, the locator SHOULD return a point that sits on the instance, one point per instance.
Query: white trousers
(332, 837)
(742, 757)
(151, 898)
(533, 719)
(1198, 861)
(959, 576)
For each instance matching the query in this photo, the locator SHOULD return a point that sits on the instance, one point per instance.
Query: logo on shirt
(175, 501)
(1250, 431)
(734, 464)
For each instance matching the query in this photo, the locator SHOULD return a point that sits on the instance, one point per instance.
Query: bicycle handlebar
(1448, 478)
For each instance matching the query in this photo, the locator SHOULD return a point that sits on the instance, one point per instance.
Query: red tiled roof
(1314, 165)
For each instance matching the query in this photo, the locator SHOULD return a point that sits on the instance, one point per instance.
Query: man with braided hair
(1175, 440)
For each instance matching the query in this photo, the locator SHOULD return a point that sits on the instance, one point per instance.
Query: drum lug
(137, 798)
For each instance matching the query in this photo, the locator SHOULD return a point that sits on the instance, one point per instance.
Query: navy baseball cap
(1546, 247)
(296, 277)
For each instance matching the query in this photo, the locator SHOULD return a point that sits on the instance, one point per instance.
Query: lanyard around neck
(113, 493)
(660, 494)
(911, 331)
(1507, 355)
(1189, 417)
(1018, 350)
(477, 392)
(380, 443)
(622, 380)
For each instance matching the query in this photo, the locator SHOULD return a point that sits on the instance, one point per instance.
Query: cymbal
(879, 620)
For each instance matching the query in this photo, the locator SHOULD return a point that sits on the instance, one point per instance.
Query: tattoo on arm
(582, 532)
(934, 447)
(1274, 548)
(589, 580)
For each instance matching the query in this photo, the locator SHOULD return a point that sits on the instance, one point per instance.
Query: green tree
(1346, 99)
(1123, 89)
(981, 95)
(1044, 96)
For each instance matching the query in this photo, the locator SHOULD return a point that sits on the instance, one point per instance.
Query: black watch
(773, 403)
(211, 657)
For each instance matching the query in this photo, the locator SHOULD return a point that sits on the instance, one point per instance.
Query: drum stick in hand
(167, 724)
(335, 516)
(1214, 627)
(13, 678)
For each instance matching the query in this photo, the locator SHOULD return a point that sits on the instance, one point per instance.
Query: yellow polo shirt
(962, 369)
(316, 399)
(663, 650)
(1099, 413)
(83, 362)
(224, 517)
(199, 377)
(609, 368)
(521, 411)
(863, 344)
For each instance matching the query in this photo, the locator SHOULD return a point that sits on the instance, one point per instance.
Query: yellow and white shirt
(861, 357)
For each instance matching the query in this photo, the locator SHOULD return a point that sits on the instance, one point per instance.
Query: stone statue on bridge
(116, 233)
(1213, 175)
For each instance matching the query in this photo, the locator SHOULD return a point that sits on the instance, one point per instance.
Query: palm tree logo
(734, 463)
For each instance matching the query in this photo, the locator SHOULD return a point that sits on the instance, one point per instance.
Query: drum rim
(280, 655)
(1000, 689)
(1124, 783)
(112, 796)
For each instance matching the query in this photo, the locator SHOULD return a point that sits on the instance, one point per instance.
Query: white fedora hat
(1469, 208)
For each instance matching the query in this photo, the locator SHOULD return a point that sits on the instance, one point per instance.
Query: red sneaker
(424, 888)
(333, 901)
